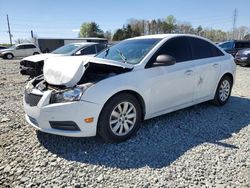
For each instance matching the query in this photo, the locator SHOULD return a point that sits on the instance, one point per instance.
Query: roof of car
(85, 43)
(162, 36)
(24, 44)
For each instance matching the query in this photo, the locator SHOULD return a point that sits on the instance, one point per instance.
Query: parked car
(243, 57)
(232, 47)
(134, 80)
(33, 65)
(19, 50)
(2, 47)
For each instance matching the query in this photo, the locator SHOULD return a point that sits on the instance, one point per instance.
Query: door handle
(189, 72)
(215, 65)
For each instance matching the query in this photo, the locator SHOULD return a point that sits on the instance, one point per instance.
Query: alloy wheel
(123, 118)
(224, 90)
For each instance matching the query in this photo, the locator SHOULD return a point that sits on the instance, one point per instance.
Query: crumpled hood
(40, 57)
(69, 70)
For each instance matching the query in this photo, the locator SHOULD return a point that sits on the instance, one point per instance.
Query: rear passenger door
(207, 59)
(30, 49)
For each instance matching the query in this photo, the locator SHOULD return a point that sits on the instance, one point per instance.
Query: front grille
(32, 99)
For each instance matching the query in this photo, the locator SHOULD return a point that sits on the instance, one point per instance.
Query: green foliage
(90, 30)
(126, 32)
(5, 44)
(170, 23)
(136, 27)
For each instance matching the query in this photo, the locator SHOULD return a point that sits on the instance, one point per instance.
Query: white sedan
(134, 80)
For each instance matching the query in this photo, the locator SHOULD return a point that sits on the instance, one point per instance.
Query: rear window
(203, 49)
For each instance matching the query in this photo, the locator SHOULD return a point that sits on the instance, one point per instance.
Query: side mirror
(78, 53)
(164, 60)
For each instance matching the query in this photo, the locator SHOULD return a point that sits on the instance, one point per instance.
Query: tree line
(138, 27)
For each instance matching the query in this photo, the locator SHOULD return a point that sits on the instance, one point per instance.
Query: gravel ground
(201, 146)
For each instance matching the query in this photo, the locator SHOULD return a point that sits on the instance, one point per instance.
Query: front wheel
(223, 91)
(35, 53)
(120, 118)
(9, 56)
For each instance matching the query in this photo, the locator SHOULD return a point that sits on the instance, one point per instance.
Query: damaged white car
(134, 80)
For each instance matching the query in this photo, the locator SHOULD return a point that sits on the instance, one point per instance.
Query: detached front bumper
(66, 119)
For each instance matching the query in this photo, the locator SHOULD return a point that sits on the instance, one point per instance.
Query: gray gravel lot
(201, 146)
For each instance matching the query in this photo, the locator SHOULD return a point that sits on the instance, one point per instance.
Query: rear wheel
(9, 56)
(223, 91)
(120, 118)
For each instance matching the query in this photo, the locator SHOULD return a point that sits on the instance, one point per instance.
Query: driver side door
(172, 86)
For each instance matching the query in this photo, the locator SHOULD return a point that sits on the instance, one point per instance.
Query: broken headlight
(70, 95)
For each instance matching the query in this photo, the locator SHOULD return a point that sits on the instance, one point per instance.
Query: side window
(239, 45)
(100, 47)
(246, 45)
(21, 47)
(88, 50)
(178, 48)
(242, 45)
(203, 49)
(28, 46)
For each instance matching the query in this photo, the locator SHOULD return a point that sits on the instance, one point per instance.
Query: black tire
(217, 98)
(104, 126)
(244, 64)
(8, 56)
(35, 53)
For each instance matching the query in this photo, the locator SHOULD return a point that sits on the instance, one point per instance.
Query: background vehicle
(136, 79)
(243, 57)
(33, 65)
(19, 50)
(232, 47)
(50, 44)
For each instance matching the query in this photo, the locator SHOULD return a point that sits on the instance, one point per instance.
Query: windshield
(129, 51)
(69, 48)
(12, 47)
(226, 45)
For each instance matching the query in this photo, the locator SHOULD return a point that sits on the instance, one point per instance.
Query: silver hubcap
(224, 90)
(9, 56)
(122, 119)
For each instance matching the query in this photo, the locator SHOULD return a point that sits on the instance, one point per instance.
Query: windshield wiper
(106, 52)
(122, 56)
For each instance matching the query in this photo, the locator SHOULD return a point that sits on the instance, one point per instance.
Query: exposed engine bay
(94, 72)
